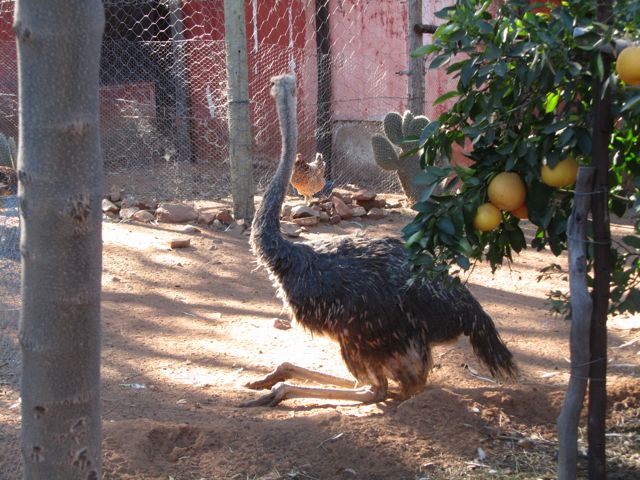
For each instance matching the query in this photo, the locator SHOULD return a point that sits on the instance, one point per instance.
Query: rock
(290, 229)
(180, 243)
(376, 214)
(334, 219)
(326, 206)
(341, 208)
(190, 229)
(128, 212)
(225, 217)
(286, 211)
(218, 224)
(324, 216)
(128, 202)
(375, 203)
(176, 213)
(144, 216)
(397, 204)
(307, 221)
(363, 196)
(147, 204)
(358, 211)
(281, 324)
(238, 227)
(109, 206)
(206, 217)
(115, 193)
(300, 211)
(345, 197)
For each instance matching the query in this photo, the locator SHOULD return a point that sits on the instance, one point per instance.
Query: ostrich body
(356, 291)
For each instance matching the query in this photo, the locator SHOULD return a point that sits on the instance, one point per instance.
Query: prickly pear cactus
(388, 148)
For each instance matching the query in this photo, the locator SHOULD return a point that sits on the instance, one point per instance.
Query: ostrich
(357, 291)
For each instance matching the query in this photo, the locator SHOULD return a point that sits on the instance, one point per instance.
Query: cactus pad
(392, 124)
(383, 152)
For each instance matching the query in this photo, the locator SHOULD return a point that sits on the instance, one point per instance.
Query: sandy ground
(185, 329)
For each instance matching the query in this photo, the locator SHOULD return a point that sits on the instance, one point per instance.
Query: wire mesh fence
(10, 464)
(164, 112)
(164, 90)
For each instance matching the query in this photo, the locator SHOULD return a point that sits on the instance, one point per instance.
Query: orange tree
(523, 101)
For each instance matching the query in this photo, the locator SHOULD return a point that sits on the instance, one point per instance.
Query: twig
(331, 439)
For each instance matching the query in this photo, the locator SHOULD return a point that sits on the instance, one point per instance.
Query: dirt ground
(185, 329)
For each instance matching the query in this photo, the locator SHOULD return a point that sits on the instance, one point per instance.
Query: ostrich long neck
(267, 240)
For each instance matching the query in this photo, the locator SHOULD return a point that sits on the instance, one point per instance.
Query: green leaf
(521, 48)
(632, 241)
(517, 240)
(539, 197)
(632, 301)
(463, 261)
(551, 102)
(599, 66)
(584, 141)
(631, 103)
(555, 127)
(415, 237)
(445, 13)
(446, 225)
(428, 132)
(424, 50)
(491, 52)
(466, 74)
(440, 60)
(485, 28)
(446, 96)
(501, 69)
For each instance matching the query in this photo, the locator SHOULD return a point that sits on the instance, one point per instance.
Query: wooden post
(602, 266)
(240, 154)
(581, 308)
(180, 75)
(323, 114)
(415, 84)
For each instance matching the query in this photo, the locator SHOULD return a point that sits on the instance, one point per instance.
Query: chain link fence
(164, 114)
(164, 90)
(10, 457)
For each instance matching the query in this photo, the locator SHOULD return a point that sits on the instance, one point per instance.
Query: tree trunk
(415, 84)
(240, 155)
(60, 174)
(602, 267)
(581, 307)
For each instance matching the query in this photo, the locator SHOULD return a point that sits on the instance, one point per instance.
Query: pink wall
(368, 48)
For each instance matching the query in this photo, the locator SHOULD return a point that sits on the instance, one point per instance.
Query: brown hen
(308, 178)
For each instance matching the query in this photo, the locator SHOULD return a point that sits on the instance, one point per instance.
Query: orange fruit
(562, 175)
(628, 65)
(487, 218)
(507, 191)
(521, 212)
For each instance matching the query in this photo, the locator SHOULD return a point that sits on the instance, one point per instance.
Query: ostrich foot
(286, 371)
(283, 391)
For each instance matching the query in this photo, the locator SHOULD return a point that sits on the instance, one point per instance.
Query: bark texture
(240, 138)
(581, 308)
(60, 187)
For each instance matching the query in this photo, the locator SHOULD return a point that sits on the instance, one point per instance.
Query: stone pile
(338, 207)
(363, 204)
(117, 206)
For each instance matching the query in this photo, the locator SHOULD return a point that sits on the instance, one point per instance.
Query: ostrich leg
(286, 371)
(284, 391)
